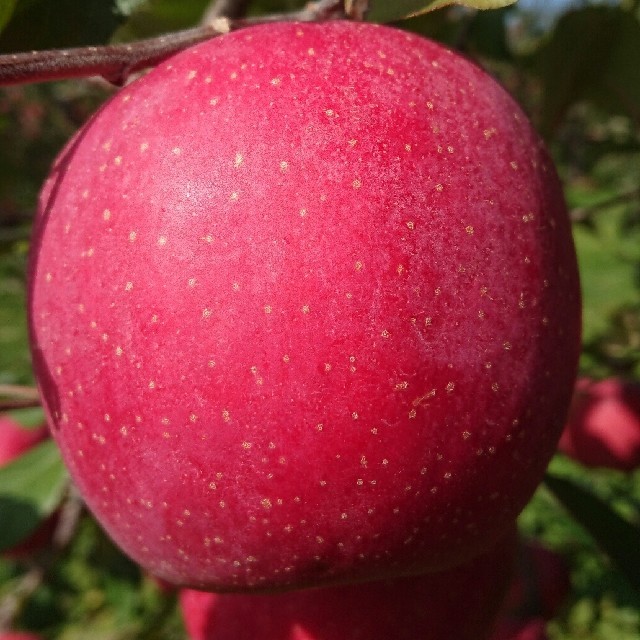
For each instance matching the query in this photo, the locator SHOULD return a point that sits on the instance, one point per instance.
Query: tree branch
(18, 397)
(18, 391)
(116, 62)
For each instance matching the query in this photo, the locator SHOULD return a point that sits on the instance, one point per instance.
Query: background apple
(304, 309)
(18, 635)
(458, 603)
(14, 441)
(603, 429)
(540, 587)
(533, 629)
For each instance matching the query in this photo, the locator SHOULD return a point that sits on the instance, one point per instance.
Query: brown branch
(68, 518)
(12, 405)
(356, 9)
(18, 397)
(116, 62)
(19, 392)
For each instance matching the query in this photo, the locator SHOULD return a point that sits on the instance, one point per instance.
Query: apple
(457, 603)
(541, 583)
(14, 441)
(540, 587)
(18, 635)
(532, 629)
(304, 309)
(603, 428)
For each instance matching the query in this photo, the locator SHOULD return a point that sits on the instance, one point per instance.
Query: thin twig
(356, 9)
(18, 397)
(14, 600)
(68, 518)
(116, 62)
(18, 391)
(12, 405)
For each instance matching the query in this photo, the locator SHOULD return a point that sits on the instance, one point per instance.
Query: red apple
(16, 439)
(541, 584)
(455, 604)
(304, 309)
(533, 629)
(539, 588)
(603, 429)
(18, 635)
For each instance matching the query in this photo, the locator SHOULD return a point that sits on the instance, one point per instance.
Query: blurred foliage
(40, 24)
(31, 488)
(578, 77)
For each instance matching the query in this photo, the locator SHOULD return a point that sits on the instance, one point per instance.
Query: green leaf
(617, 537)
(594, 54)
(6, 10)
(385, 11)
(42, 24)
(151, 18)
(127, 7)
(28, 418)
(31, 488)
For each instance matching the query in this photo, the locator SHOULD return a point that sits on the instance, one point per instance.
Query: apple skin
(603, 428)
(304, 309)
(458, 603)
(19, 635)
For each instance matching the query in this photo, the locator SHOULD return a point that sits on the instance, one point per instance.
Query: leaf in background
(28, 418)
(42, 24)
(6, 9)
(154, 17)
(594, 53)
(617, 537)
(385, 11)
(127, 7)
(477, 33)
(609, 278)
(31, 488)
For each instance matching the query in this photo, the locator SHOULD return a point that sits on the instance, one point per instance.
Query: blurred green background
(575, 69)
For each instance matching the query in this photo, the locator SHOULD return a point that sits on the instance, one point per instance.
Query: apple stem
(116, 63)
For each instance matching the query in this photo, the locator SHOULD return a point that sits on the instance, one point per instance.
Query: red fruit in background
(16, 440)
(534, 629)
(541, 583)
(540, 586)
(457, 604)
(603, 429)
(18, 635)
(304, 309)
